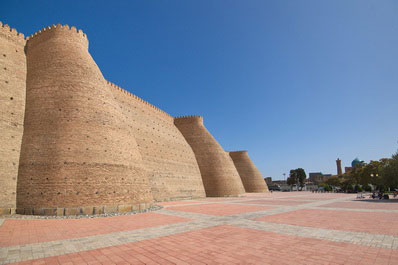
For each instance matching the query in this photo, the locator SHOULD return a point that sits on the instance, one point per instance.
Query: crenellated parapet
(188, 119)
(219, 174)
(251, 177)
(135, 97)
(11, 34)
(68, 34)
(239, 153)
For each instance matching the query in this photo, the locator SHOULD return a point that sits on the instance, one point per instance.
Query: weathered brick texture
(251, 177)
(219, 174)
(73, 143)
(169, 160)
(12, 108)
(78, 150)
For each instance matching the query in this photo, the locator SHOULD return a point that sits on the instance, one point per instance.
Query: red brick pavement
(376, 222)
(229, 245)
(18, 231)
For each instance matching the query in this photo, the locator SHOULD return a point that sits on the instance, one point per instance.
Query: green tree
(326, 187)
(347, 184)
(292, 179)
(334, 181)
(297, 176)
(301, 176)
(367, 173)
(389, 172)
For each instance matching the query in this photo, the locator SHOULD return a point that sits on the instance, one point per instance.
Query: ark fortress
(73, 143)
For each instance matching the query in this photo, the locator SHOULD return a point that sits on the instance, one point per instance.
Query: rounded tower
(78, 154)
(251, 177)
(219, 174)
(12, 110)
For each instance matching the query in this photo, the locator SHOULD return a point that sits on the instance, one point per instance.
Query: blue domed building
(356, 161)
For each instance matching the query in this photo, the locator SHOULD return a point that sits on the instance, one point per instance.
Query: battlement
(11, 34)
(114, 150)
(127, 93)
(57, 30)
(238, 153)
(188, 119)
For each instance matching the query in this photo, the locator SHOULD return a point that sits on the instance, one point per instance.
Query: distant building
(354, 162)
(347, 169)
(318, 177)
(268, 180)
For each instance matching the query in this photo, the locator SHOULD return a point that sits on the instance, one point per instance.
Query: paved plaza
(277, 228)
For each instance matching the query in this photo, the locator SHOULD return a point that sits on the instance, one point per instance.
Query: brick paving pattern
(277, 228)
(18, 232)
(230, 245)
(378, 223)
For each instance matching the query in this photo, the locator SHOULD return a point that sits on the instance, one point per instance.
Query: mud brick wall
(73, 143)
(78, 151)
(219, 174)
(171, 164)
(12, 109)
(251, 177)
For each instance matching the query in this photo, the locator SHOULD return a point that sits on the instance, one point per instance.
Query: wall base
(86, 210)
(7, 211)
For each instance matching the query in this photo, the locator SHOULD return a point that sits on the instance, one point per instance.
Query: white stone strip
(354, 209)
(189, 215)
(55, 248)
(359, 238)
(1, 222)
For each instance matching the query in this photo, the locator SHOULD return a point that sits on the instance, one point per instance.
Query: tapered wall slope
(219, 175)
(170, 161)
(251, 177)
(79, 154)
(12, 109)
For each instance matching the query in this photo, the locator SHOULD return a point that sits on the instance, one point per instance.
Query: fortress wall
(170, 161)
(219, 174)
(12, 105)
(251, 177)
(79, 154)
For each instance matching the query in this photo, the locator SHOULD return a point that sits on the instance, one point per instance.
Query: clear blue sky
(297, 83)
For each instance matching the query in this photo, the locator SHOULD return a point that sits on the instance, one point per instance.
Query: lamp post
(374, 176)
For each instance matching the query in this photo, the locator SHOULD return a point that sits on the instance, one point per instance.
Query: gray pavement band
(199, 221)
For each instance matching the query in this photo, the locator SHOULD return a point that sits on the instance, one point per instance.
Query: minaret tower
(339, 171)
